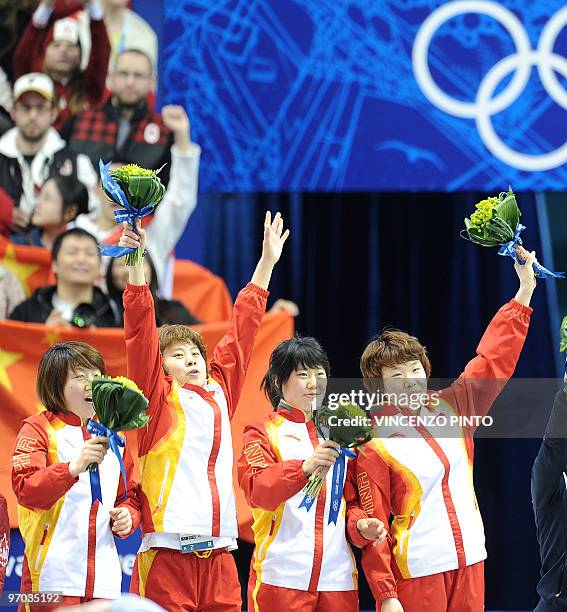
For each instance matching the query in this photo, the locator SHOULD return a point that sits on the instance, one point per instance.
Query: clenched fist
(93, 451)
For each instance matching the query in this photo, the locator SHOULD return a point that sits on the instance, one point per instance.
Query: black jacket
(549, 499)
(36, 309)
(94, 133)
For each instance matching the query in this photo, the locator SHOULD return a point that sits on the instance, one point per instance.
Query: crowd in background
(77, 85)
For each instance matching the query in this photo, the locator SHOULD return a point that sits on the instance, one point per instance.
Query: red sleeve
(232, 354)
(36, 484)
(95, 73)
(28, 56)
(373, 489)
(6, 213)
(144, 362)
(132, 502)
(4, 539)
(497, 354)
(266, 482)
(353, 510)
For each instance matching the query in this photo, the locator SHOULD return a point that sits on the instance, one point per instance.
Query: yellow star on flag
(22, 270)
(6, 360)
(51, 338)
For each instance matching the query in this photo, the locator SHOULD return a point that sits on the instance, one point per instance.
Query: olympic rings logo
(486, 103)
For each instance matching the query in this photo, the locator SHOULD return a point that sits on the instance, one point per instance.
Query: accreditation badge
(193, 543)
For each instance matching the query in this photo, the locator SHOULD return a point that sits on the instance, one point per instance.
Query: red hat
(66, 29)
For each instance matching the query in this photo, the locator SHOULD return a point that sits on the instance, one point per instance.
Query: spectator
(59, 202)
(124, 128)
(74, 300)
(33, 151)
(168, 312)
(11, 292)
(57, 51)
(127, 30)
(174, 210)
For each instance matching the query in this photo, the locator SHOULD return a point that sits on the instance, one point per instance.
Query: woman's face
(48, 211)
(62, 58)
(305, 388)
(77, 392)
(404, 383)
(119, 273)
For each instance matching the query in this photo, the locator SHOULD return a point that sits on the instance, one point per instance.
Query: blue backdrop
(329, 95)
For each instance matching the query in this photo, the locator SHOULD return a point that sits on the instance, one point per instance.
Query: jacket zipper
(41, 544)
(164, 482)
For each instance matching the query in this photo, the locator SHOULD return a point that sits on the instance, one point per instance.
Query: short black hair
(74, 231)
(73, 193)
(289, 355)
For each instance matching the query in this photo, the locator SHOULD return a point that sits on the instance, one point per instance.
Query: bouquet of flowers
(137, 191)
(350, 427)
(119, 406)
(496, 222)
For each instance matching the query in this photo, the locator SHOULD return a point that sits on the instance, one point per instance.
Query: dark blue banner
(372, 94)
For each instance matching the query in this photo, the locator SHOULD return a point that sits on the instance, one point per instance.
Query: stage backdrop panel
(371, 95)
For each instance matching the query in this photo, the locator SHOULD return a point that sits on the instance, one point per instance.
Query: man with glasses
(32, 152)
(126, 129)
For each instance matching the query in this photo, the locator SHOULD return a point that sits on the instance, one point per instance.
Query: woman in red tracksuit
(67, 529)
(302, 561)
(418, 478)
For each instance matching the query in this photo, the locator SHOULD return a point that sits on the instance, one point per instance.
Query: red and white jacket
(425, 482)
(69, 543)
(185, 451)
(295, 548)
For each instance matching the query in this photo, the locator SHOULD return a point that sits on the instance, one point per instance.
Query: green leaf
(563, 335)
(117, 405)
(353, 424)
(507, 209)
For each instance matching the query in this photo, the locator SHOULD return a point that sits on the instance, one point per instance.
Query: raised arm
(29, 52)
(180, 199)
(232, 354)
(97, 68)
(145, 366)
(498, 351)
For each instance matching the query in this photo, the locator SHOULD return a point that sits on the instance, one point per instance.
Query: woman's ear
(70, 213)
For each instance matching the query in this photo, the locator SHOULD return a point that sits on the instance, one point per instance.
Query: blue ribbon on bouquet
(509, 250)
(338, 483)
(337, 486)
(129, 212)
(115, 441)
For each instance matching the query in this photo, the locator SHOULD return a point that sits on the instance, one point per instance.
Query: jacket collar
(52, 144)
(291, 413)
(70, 418)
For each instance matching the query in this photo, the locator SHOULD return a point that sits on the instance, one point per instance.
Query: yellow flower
(485, 211)
(128, 383)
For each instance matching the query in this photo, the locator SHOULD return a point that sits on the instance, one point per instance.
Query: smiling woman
(279, 455)
(60, 201)
(53, 484)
